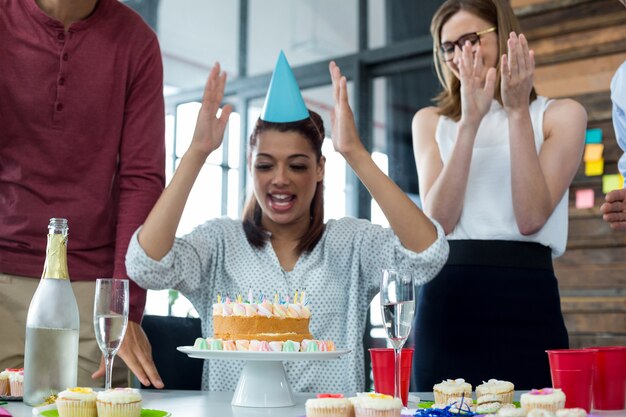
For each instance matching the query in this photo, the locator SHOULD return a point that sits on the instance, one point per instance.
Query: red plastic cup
(383, 366)
(609, 378)
(572, 371)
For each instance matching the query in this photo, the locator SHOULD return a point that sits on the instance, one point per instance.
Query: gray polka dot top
(341, 276)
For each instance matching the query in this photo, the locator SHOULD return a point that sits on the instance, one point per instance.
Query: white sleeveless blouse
(488, 205)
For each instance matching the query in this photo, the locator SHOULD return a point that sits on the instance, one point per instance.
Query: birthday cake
(262, 320)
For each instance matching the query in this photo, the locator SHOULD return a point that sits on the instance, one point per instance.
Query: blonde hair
(497, 12)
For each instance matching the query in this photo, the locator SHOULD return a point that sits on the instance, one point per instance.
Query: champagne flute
(110, 318)
(397, 301)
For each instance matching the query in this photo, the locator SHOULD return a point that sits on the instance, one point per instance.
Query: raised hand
(476, 94)
(517, 71)
(344, 134)
(209, 131)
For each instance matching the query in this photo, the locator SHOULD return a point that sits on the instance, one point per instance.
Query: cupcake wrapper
(503, 397)
(368, 412)
(4, 387)
(76, 408)
(17, 388)
(441, 398)
(118, 410)
(328, 412)
(557, 405)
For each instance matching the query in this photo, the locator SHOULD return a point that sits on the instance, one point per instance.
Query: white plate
(261, 356)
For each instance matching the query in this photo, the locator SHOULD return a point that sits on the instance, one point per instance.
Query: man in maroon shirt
(81, 137)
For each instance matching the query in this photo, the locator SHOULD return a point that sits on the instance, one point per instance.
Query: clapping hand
(614, 210)
(475, 97)
(210, 127)
(344, 133)
(517, 71)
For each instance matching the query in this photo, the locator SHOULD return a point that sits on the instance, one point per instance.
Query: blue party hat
(283, 102)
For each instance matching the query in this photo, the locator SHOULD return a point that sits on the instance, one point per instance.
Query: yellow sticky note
(612, 182)
(585, 198)
(594, 168)
(593, 152)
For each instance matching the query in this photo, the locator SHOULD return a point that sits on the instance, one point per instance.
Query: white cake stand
(263, 381)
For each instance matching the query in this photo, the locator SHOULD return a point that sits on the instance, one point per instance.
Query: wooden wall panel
(583, 76)
(578, 46)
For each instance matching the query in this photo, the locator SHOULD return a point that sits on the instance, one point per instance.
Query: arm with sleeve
(141, 160)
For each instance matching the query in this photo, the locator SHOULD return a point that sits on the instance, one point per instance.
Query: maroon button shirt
(81, 137)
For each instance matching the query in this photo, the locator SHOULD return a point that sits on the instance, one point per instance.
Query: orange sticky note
(593, 152)
(585, 198)
(594, 168)
(612, 182)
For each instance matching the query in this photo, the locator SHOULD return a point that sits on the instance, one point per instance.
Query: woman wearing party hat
(282, 243)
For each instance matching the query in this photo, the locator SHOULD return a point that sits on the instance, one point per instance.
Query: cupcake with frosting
(119, 402)
(376, 405)
(328, 405)
(4, 382)
(77, 402)
(550, 399)
(16, 382)
(500, 391)
(451, 388)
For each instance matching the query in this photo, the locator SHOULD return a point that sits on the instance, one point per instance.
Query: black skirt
(492, 312)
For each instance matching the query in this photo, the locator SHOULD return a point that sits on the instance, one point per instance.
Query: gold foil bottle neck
(56, 251)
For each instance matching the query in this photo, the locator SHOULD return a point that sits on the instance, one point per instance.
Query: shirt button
(61, 36)
(59, 106)
(65, 56)
(61, 81)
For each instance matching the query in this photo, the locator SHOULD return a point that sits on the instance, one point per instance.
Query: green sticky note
(612, 182)
(593, 136)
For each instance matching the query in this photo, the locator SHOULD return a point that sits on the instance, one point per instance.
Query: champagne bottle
(51, 351)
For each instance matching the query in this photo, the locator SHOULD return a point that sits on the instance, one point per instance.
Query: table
(204, 403)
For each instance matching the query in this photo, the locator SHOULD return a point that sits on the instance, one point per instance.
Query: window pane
(306, 30)
(377, 216)
(204, 202)
(186, 116)
(410, 19)
(396, 100)
(193, 34)
(234, 139)
(169, 147)
(233, 193)
(334, 183)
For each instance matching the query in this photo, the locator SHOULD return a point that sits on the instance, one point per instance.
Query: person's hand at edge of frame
(614, 209)
(136, 352)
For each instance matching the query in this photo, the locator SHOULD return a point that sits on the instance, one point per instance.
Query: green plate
(144, 413)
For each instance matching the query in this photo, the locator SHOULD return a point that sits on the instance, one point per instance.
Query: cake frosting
(550, 399)
(374, 401)
(307, 345)
(261, 319)
(119, 396)
(78, 393)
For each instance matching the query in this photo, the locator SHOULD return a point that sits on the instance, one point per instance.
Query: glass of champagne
(110, 318)
(397, 301)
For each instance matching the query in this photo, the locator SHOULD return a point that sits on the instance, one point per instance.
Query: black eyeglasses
(446, 49)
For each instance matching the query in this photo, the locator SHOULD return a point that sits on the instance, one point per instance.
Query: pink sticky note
(585, 198)
(5, 413)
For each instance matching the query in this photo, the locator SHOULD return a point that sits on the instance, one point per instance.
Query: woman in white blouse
(494, 162)
(282, 243)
